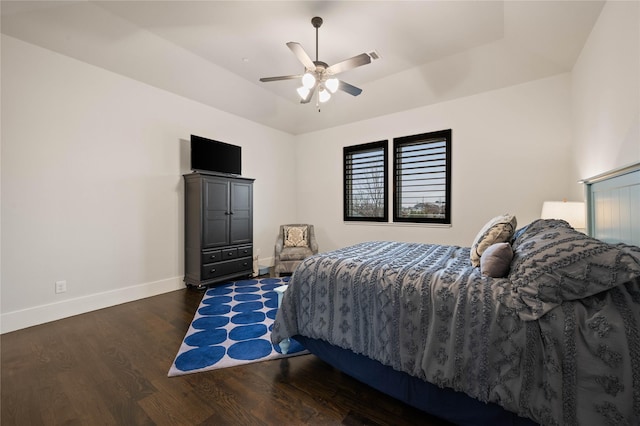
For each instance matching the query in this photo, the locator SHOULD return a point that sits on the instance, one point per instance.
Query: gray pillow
(553, 262)
(496, 260)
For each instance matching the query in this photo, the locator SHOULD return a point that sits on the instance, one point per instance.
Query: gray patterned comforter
(423, 309)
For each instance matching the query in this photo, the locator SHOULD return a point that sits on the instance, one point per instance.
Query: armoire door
(216, 213)
(241, 231)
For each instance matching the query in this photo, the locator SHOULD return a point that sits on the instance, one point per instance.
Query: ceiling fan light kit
(319, 77)
(332, 84)
(303, 92)
(324, 95)
(308, 80)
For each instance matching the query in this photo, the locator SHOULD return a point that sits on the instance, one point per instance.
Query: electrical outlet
(61, 286)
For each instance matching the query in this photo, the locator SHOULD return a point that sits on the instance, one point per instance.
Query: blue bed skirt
(447, 404)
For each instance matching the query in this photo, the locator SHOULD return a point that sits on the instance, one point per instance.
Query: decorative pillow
(295, 236)
(553, 262)
(496, 259)
(500, 229)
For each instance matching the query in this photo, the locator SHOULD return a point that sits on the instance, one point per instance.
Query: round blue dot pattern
(232, 326)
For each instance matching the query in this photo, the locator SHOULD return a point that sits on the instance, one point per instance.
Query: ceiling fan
(319, 76)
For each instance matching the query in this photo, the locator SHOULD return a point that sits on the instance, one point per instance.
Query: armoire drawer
(245, 251)
(229, 253)
(213, 270)
(211, 256)
(244, 264)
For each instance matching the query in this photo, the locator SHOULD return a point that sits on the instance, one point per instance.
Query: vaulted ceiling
(214, 52)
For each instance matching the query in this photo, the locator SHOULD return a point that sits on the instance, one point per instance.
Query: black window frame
(348, 151)
(431, 137)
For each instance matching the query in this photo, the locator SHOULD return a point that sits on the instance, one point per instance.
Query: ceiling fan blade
(284, 77)
(347, 64)
(350, 89)
(310, 95)
(302, 56)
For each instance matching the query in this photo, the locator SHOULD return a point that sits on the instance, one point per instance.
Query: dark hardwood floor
(110, 367)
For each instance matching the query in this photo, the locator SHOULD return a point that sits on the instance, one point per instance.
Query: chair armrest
(313, 244)
(279, 246)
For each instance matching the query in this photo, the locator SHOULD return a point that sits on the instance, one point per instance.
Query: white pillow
(500, 229)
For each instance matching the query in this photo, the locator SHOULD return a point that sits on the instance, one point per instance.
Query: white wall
(605, 93)
(92, 189)
(510, 148)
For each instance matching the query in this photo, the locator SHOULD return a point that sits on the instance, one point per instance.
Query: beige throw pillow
(295, 236)
(500, 229)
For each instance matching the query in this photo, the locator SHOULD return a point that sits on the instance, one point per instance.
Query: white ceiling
(215, 51)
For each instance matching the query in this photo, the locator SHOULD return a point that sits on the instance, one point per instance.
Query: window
(422, 178)
(365, 182)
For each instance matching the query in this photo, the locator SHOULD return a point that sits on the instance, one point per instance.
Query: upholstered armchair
(294, 243)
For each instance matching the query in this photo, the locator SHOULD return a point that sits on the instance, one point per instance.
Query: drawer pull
(230, 254)
(213, 270)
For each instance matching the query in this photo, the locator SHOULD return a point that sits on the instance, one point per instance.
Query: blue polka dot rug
(231, 327)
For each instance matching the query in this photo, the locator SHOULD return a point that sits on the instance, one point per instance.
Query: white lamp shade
(332, 84)
(308, 80)
(324, 95)
(571, 211)
(303, 92)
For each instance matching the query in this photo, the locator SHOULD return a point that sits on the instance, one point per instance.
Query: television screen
(213, 156)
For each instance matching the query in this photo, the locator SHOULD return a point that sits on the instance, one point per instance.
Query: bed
(553, 340)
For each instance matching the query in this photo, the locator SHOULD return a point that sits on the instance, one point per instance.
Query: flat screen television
(208, 155)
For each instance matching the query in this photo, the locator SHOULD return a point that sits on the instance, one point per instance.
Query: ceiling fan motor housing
(320, 66)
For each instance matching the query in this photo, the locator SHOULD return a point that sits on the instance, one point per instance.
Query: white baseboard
(261, 262)
(16, 320)
(266, 261)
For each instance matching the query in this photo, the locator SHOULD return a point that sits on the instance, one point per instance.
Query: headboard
(613, 205)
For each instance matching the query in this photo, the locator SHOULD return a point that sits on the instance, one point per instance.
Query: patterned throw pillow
(553, 262)
(295, 236)
(500, 229)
